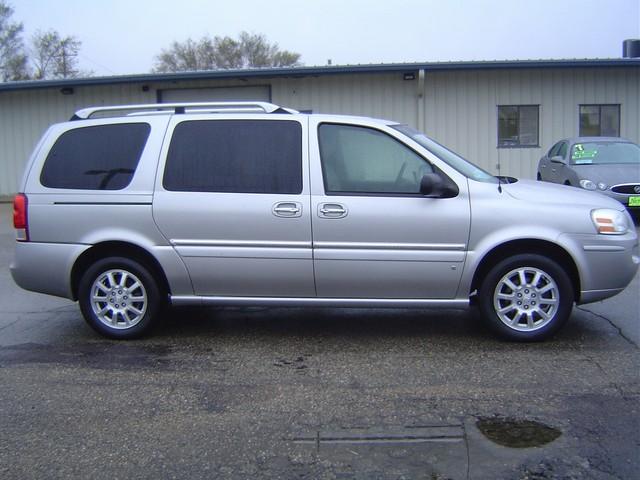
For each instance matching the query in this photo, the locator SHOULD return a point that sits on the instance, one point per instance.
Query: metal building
(500, 115)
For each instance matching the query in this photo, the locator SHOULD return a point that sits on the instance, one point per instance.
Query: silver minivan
(130, 209)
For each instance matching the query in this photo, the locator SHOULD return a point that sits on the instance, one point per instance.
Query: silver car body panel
(387, 246)
(321, 302)
(45, 267)
(226, 248)
(233, 243)
(529, 210)
(85, 218)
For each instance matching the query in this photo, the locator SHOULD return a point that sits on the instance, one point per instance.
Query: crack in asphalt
(9, 324)
(610, 322)
(466, 444)
(615, 385)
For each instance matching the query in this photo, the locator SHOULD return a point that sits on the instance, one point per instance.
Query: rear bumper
(45, 267)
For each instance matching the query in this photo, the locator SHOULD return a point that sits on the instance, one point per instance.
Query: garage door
(260, 93)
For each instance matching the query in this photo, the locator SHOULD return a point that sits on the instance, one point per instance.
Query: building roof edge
(318, 71)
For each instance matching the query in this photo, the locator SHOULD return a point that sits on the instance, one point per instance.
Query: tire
(539, 177)
(119, 298)
(530, 320)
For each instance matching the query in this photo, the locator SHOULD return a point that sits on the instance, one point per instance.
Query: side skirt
(322, 302)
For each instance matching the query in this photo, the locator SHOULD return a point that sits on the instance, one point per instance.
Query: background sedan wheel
(526, 297)
(119, 298)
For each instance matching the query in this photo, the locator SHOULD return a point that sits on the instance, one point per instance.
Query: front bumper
(623, 198)
(606, 263)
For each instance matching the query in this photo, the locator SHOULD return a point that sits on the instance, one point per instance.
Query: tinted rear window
(244, 156)
(104, 157)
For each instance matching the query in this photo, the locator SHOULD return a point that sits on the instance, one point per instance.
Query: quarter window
(558, 150)
(103, 157)
(243, 156)
(563, 150)
(364, 160)
(518, 125)
(599, 120)
(554, 150)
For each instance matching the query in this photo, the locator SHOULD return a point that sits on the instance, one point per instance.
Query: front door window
(367, 161)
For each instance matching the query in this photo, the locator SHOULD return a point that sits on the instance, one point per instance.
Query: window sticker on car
(580, 154)
(634, 201)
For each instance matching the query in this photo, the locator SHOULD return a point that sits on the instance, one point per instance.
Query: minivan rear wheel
(526, 297)
(119, 298)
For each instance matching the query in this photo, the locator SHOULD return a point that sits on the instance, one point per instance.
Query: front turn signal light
(610, 222)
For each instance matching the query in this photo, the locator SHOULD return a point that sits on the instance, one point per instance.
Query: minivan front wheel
(526, 297)
(119, 298)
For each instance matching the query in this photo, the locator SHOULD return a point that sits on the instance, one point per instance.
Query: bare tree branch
(13, 59)
(53, 56)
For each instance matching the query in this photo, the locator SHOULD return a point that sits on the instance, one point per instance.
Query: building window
(599, 120)
(518, 126)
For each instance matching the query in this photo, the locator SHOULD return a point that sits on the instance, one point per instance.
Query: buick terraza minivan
(127, 209)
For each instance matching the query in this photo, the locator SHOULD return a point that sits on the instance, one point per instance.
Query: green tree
(248, 51)
(13, 58)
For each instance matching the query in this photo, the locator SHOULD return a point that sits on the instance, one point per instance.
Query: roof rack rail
(179, 108)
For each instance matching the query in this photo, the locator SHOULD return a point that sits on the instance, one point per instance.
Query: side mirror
(557, 159)
(434, 185)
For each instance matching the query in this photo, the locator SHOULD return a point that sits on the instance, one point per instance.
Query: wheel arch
(536, 246)
(117, 249)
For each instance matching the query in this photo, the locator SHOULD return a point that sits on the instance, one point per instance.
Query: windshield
(602, 153)
(452, 159)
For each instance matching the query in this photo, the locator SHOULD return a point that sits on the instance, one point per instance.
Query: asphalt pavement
(315, 393)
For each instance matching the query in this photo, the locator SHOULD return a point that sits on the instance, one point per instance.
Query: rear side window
(243, 156)
(104, 157)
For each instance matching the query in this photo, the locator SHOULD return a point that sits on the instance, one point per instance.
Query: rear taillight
(20, 219)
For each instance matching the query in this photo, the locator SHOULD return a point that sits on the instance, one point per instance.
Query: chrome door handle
(329, 211)
(287, 209)
(332, 210)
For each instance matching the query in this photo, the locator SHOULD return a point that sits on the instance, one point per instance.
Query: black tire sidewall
(150, 286)
(551, 268)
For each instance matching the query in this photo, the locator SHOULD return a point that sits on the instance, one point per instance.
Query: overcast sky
(123, 36)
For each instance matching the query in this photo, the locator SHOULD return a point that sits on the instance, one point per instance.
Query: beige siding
(459, 108)
(381, 96)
